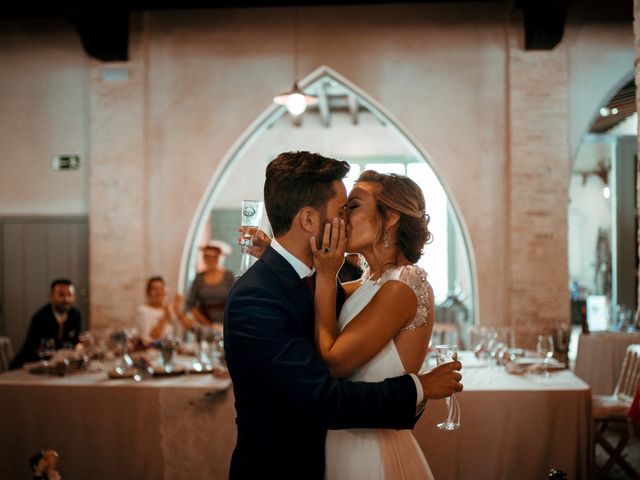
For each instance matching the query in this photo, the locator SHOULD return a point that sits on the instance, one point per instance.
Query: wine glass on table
(249, 222)
(47, 348)
(544, 348)
(446, 354)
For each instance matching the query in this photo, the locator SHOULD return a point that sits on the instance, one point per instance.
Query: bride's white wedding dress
(370, 454)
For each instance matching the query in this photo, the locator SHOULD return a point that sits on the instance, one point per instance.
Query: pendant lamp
(295, 99)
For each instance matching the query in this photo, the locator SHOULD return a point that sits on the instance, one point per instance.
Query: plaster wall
(198, 79)
(442, 80)
(590, 87)
(44, 92)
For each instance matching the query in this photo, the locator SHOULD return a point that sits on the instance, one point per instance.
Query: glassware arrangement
(121, 339)
(446, 354)
(544, 347)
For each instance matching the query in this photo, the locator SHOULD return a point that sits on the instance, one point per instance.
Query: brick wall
(539, 165)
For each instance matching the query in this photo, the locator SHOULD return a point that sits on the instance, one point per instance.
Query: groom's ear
(308, 218)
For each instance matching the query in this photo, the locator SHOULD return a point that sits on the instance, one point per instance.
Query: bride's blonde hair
(400, 194)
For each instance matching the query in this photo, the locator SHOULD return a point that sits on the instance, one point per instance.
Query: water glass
(544, 347)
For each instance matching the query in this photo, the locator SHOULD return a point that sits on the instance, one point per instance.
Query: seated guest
(211, 287)
(43, 465)
(58, 322)
(157, 318)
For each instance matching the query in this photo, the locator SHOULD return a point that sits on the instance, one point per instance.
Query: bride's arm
(371, 330)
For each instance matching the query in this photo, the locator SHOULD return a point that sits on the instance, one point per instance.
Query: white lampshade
(295, 100)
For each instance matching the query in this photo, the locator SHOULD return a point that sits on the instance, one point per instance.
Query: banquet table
(513, 426)
(599, 358)
(176, 427)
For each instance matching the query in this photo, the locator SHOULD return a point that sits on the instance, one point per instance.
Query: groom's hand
(442, 381)
(259, 241)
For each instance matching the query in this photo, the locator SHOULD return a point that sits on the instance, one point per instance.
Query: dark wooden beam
(104, 34)
(544, 22)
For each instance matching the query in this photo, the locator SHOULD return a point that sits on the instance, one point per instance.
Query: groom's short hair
(299, 179)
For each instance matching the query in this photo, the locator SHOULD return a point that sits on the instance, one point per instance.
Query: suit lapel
(293, 288)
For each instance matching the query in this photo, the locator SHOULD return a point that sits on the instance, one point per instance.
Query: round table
(600, 356)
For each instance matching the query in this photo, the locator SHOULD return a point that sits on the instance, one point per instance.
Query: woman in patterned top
(211, 287)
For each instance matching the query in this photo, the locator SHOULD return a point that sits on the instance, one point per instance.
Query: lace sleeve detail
(416, 279)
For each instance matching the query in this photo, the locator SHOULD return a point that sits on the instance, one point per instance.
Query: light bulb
(296, 104)
(606, 192)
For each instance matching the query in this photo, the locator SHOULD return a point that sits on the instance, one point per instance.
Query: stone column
(538, 176)
(118, 185)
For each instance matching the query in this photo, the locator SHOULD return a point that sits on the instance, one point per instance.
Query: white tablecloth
(511, 427)
(166, 428)
(600, 356)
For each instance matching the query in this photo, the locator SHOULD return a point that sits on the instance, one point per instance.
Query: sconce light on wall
(295, 99)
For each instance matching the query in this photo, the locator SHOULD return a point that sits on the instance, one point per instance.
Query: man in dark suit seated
(58, 323)
(285, 397)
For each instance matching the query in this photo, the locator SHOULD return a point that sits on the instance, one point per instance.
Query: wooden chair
(608, 409)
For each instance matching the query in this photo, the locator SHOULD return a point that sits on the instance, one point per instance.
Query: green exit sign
(65, 162)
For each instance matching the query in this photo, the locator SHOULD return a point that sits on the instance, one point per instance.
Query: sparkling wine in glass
(544, 348)
(445, 354)
(249, 222)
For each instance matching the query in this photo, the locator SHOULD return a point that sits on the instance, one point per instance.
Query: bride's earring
(385, 240)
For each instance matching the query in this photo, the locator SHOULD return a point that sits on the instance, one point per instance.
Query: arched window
(349, 125)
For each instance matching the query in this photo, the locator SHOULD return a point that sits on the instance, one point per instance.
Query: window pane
(386, 167)
(435, 259)
(353, 175)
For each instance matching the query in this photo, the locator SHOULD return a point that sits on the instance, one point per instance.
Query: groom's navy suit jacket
(285, 398)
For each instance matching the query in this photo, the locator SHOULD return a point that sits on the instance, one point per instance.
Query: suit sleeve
(29, 350)
(263, 336)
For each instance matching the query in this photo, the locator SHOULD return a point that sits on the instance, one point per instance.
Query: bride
(385, 324)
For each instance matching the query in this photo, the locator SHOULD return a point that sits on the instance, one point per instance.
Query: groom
(285, 398)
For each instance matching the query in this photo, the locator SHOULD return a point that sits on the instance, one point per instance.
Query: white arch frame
(267, 118)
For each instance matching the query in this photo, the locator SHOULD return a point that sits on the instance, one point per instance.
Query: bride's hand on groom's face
(442, 381)
(329, 256)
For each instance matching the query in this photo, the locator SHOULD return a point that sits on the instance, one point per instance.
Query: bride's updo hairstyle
(403, 196)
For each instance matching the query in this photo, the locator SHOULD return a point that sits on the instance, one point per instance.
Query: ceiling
(104, 26)
(621, 106)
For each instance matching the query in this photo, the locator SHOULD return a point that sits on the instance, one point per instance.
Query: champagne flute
(544, 348)
(446, 354)
(250, 220)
